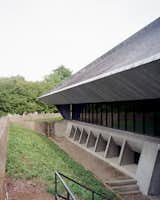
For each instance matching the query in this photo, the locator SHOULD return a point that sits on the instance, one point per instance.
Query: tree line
(18, 96)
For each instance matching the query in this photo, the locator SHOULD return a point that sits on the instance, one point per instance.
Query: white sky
(36, 36)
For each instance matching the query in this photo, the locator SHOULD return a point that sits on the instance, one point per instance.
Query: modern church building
(112, 107)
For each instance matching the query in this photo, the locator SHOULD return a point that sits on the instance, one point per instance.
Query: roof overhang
(137, 81)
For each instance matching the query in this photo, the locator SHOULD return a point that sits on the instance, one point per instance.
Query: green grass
(35, 157)
(52, 119)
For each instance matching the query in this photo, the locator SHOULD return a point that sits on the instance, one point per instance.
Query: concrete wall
(148, 175)
(3, 151)
(118, 148)
(48, 128)
(115, 147)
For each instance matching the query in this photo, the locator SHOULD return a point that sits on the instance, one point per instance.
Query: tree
(18, 95)
(57, 76)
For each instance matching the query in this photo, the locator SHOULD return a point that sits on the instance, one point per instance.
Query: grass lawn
(35, 157)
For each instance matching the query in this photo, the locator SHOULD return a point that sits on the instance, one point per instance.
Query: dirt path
(100, 169)
(25, 190)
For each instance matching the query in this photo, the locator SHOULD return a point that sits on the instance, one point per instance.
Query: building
(113, 107)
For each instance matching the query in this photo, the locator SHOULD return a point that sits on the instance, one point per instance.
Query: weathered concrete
(59, 128)
(77, 134)
(3, 152)
(155, 186)
(119, 149)
(91, 140)
(127, 155)
(147, 169)
(48, 128)
(100, 144)
(112, 149)
(73, 129)
(84, 136)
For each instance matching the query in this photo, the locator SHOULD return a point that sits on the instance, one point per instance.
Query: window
(109, 115)
(115, 116)
(104, 114)
(122, 124)
(136, 116)
(130, 117)
(99, 109)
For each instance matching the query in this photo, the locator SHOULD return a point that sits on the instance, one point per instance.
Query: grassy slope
(33, 156)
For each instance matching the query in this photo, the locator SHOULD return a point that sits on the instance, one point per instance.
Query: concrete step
(129, 192)
(126, 188)
(121, 182)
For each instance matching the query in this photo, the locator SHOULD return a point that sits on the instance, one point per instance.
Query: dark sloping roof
(143, 44)
(130, 71)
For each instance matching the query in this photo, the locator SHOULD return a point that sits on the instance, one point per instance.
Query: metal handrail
(69, 193)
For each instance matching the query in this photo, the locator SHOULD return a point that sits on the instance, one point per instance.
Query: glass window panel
(149, 123)
(84, 112)
(81, 112)
(94, 114)
(99, 114)
(115, 115)
(122, 116)
(157, 124)
(87, 113)
(138, 119)
(109, 116)
(90, 113)
(129, 116)
(104, 114)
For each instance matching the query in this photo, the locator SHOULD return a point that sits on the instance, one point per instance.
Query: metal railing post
(55, 183)
(58, 176)
(68, 195)
(92, 195)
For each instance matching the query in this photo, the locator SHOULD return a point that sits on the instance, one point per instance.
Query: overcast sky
(36, 36)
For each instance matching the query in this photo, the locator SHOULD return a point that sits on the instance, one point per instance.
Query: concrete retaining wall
(136, 155)
(3, 151)
(48, 128)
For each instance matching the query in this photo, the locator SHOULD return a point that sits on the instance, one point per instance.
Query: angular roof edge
(106, 74)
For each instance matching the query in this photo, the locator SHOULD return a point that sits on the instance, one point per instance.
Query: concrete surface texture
(137, 157)
(3, 152)
(102, 170)
(95, 159)
(47, 128)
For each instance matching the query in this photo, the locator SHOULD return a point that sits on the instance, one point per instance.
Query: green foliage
(35, 157)
(54, 119)
(57, 76)
(18, 95)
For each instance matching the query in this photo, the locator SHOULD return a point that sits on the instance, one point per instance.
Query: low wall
(3, 152)
(136, 155)
(48, 128)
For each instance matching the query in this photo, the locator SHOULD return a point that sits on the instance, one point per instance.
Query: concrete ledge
(135, 155)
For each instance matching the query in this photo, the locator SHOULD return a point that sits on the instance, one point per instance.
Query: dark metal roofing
(141, 45)
(141, 48)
